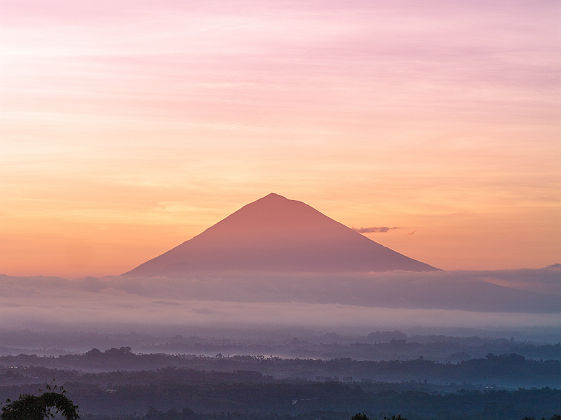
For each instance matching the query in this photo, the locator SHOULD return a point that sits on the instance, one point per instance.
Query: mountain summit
(275, 234)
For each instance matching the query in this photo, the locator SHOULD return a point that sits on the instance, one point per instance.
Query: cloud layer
(524, 297)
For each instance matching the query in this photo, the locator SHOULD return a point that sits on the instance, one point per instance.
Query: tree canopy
(40, 407)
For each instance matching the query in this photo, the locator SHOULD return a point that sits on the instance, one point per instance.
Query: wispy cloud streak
(375, 229)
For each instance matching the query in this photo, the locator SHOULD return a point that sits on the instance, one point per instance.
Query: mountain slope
(276, 234)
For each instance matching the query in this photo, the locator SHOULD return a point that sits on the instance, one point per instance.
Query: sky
(127, 127)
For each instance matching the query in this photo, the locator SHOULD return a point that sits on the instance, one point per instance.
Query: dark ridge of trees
(284, 400)
(187, 414)
(506, 370)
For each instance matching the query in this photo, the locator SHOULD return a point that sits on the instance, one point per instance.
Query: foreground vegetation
(120, 385)
(227, 399)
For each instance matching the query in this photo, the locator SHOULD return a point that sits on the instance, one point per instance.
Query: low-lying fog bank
(393, 299)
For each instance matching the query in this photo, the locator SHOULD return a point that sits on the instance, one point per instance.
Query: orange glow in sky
(127, 127)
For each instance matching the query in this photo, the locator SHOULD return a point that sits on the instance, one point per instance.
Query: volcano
(275, 234)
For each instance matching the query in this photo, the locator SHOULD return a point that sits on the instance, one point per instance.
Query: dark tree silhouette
(362, 416)
(44, 406)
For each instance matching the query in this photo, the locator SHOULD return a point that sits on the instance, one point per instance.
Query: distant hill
(553, 266)
(275, 234)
